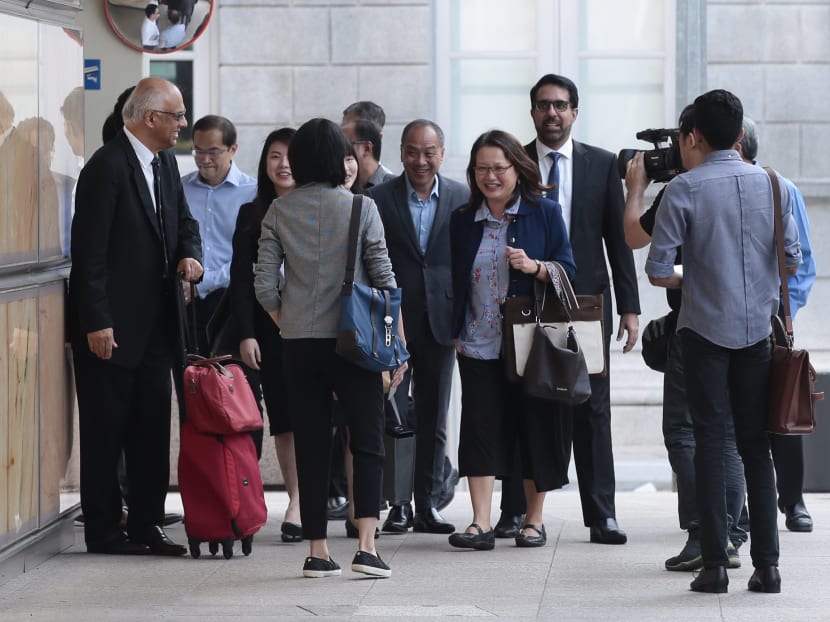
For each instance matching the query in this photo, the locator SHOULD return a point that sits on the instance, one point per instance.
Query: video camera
(663, 162)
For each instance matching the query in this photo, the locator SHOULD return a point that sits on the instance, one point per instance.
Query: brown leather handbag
(792, 390)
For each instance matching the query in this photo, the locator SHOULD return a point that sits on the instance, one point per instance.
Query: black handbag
(656, 340)
(556, 368)
(367, 332)
(584, 313)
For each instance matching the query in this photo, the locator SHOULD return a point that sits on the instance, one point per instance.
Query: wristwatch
(538, 267)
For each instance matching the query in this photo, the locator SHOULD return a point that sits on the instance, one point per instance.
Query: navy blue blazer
(538, 229)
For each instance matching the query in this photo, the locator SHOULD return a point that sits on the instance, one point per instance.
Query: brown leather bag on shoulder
(792, 382)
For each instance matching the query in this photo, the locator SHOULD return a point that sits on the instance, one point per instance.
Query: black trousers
(124, 410)
(593, 455)
(313, 374)
(432, 366)
(724, 383)
(788, 459)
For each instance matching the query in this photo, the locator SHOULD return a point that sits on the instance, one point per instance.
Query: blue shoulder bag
(367, 333)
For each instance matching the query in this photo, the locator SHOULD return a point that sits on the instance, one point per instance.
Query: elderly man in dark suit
(588, 187)
(132, 232)
(415, 208)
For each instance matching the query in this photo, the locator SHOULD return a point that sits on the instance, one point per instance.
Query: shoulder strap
(779, 250)
(351, 251)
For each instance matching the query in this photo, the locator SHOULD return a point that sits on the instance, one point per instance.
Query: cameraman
(678, 432)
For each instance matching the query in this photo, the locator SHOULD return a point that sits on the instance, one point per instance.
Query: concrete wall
(121, 67)
(303, 59)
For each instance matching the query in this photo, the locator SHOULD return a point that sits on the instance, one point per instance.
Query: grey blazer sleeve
(267, 274)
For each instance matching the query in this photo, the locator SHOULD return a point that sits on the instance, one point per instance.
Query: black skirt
(497, 420)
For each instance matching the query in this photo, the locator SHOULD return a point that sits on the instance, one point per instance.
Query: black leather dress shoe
(508, 526)
(160, 544)
(798, 518)
(607, 531)
(117, 544)
(430, 521)
(711, 580)
(399, 519)
(480, 541)
(766, 579)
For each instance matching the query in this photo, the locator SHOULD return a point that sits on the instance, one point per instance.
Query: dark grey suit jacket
(597, 206)
(426, 278)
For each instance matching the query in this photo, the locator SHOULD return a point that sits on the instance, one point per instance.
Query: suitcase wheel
(227, 548)
(193, 544)
(247, 545)
(213, 547)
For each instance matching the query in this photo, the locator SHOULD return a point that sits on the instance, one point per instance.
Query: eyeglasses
(498, 171)
(210, 153)
(543, 105)
(178, 116)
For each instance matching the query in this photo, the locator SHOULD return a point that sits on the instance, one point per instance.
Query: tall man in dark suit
(589, 189)
(415, 208)
(131, 233)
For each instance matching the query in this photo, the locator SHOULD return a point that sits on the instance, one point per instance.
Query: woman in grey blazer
(306, 233)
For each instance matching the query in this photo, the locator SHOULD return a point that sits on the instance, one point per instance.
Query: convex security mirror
(158, 26)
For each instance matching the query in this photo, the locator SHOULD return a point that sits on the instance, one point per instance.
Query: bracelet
(538, 267)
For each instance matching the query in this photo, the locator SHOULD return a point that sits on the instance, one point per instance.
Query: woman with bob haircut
(260, 344)
(306, 232)
(500, 241)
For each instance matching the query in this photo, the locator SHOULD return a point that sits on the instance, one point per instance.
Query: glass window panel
(493, 25)
(18, 155)
(180, 73)
(623, 25)
(490, 94)
(61, 146)
(617, 99)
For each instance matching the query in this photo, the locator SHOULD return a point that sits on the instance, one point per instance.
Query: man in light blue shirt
(721, 213)
(788, 451)
(215, 193)
(422, 210)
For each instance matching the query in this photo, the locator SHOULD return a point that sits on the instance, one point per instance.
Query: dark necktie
(553, 176)
(157, 195)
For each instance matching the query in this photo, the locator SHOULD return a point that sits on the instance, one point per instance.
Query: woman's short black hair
(316, 153)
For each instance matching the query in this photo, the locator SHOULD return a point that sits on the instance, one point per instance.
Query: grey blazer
(426, 278)
(307, 231)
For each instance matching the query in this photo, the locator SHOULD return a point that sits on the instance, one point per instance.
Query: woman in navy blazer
(500, 241)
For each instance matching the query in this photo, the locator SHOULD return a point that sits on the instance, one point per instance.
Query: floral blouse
(481, 336)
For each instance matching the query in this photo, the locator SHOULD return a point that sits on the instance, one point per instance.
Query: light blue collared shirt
(423, 212)
(802, 281)
(216, 208)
